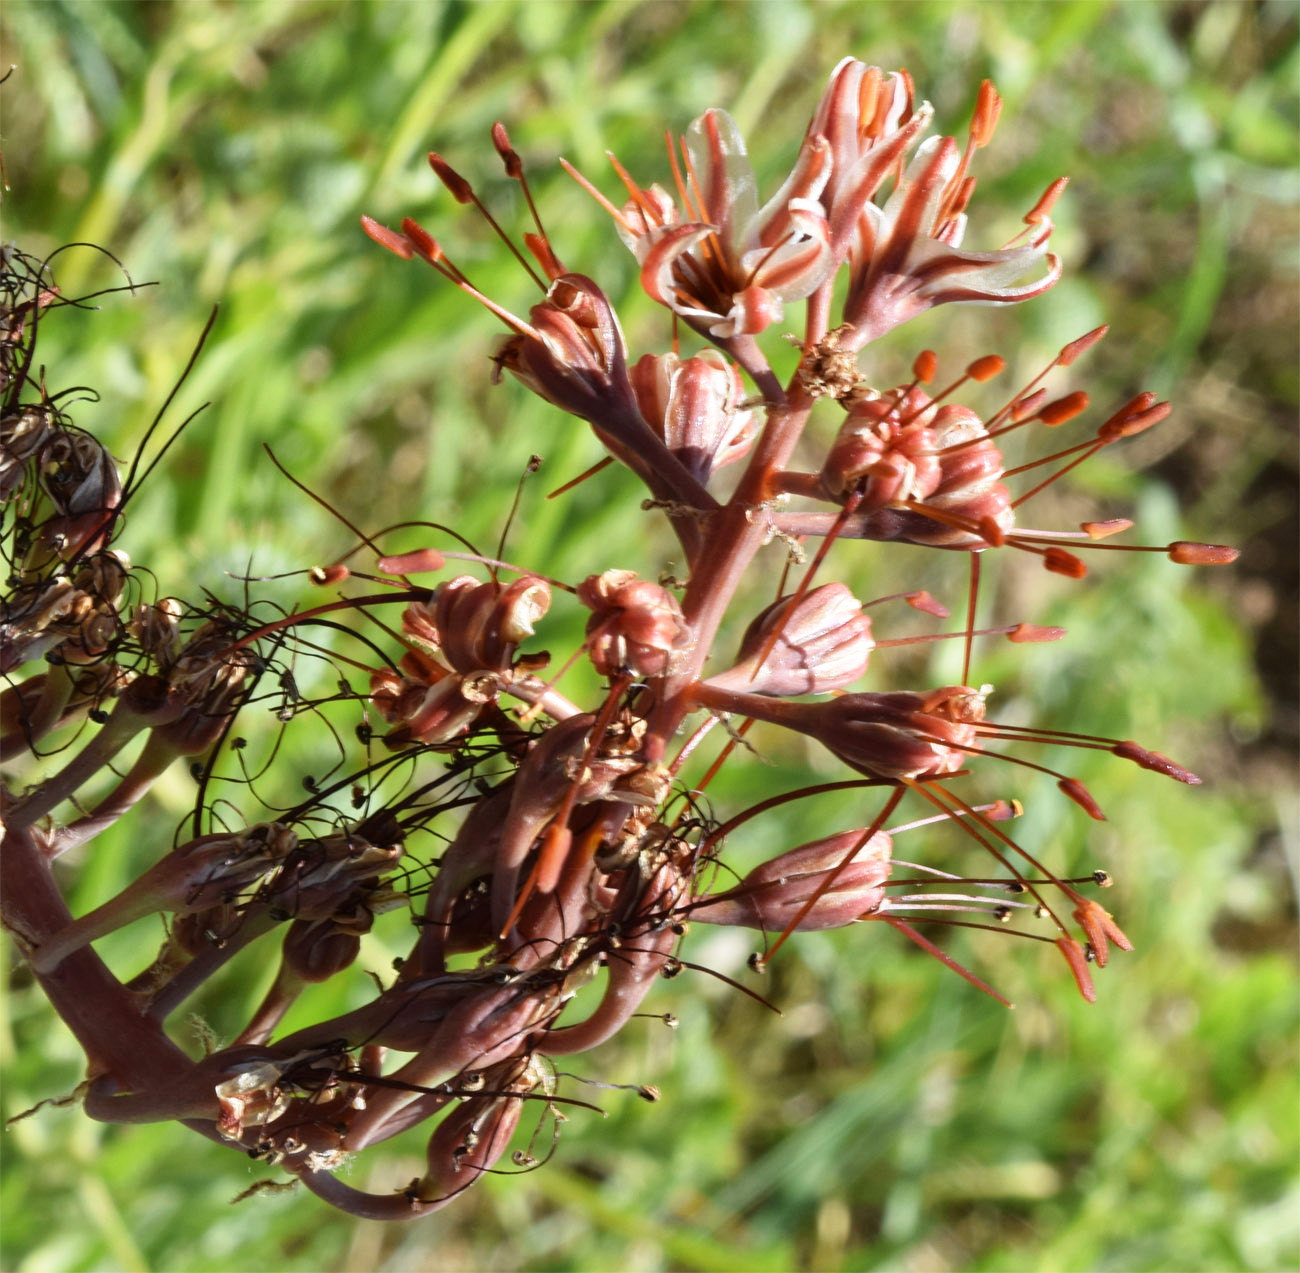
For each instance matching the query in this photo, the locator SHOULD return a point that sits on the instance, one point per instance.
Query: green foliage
(892, 1117)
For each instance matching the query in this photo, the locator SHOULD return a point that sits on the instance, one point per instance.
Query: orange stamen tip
(1064, 409)
(986, 368)
(1153, 760)
(457, 186)
(1132, 425)
(1186, 553)
(924, 602)
(422, 561)
(990, 532)
(396, 243)
(509, 156)
(1135, 415)
(988, 106)
(323, 576)
(1100, 530)
(1081, 345)
(421, 240)
(1040, 210)
(1060, 562)
(1078, 962)
(926, 364)
(1079, 794)
(1024, 633)
(1025, 407)
(1004, 810)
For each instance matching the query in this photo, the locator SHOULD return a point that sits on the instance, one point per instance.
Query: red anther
(1064, 409)
(1130, 425)
(1060, 562)
(543, 255)
(1100, 530)
(550, 857)
(925, 602)
(1133, 407)
(423, 561)
(925, 366)
(1100, 929)
(1153, 760)
(990, 532)
(1081, 346)
(988, 106)
(386, 238)
(457, 186)
(1024, 633)
(421, 240)
(509, 156)
(323, 576)
(986, 368)
(1044, 206)
(1078, 962)
(1079, 794)
(1025, 407)
(1187, 553)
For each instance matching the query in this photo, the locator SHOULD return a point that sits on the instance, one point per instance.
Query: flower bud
(577, 358)
(884, 451)
(635, 625)
(693, 404)
(824, 644)
(889, 736)
(770, 896)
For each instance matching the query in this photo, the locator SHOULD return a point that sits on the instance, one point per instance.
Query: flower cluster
(530, 840)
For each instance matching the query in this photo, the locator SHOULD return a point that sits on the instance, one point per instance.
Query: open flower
(906, 257)
(869, 122)
(724, 264)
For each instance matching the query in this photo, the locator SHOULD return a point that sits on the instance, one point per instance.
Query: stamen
(834, 873)
(615, 212)
(582, 477)
(461, 190)
(538, 244)
(931, 949)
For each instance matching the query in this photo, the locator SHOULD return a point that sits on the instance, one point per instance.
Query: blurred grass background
(892, 1118)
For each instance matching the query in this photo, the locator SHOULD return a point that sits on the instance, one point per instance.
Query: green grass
(892, 1118)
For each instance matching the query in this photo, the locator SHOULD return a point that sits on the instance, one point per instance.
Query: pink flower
(721, 262)
(869, 122)
(906, 257)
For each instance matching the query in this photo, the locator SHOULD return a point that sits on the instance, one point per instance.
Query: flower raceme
(531, 835)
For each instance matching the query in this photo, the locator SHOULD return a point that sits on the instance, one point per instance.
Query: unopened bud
(694, 405)
(771, 895)
(824, 644)
(635, 625)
